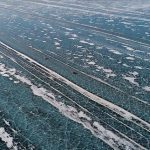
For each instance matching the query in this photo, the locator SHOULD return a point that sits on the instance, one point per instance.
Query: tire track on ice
(96, 129)
(91, 76)
(122, 112)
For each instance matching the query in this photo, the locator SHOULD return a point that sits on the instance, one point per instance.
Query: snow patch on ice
(125, 65)
(138, 67)
(130, 58)
(134, 73)
(1, 56)
(91, 63)
(147, 88)
(129, 48)
(131, 79)
(7, 139)
(85, 42)
(57, 44)
(115, 52)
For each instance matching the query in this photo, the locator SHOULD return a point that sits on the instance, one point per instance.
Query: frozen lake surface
(74, 75)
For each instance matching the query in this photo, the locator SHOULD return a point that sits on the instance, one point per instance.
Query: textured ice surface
(75, 74)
